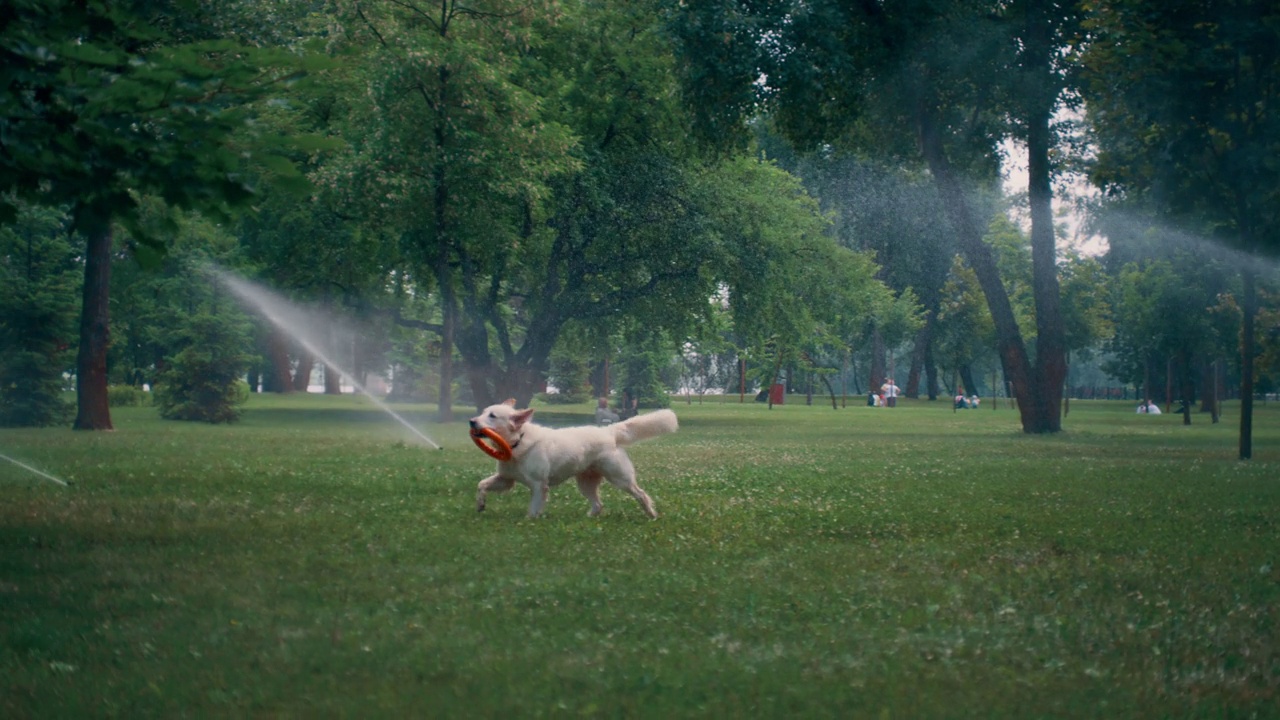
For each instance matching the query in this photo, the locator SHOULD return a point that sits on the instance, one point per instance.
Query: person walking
(890, 393)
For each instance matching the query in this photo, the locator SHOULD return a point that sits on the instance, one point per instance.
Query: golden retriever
(544, 457)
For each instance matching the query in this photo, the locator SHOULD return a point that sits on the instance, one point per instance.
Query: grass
(311, 561)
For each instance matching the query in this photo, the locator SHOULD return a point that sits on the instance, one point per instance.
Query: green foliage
(1087, 313)
(1193, 126)
(127, 396)
(966, 334)
(39, 279)
(1162, 311)
(204, 380)
(786, 277)
(150, 303)
(569, 374)
(644, 357)
(107, 100)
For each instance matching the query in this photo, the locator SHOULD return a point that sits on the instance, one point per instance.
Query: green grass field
(311, 561)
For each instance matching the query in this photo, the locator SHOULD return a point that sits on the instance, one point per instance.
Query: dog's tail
(643, 427)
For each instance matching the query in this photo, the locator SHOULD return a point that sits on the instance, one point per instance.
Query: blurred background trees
(597, 195)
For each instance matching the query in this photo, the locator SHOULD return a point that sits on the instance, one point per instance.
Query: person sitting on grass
(961, 404)
(605, 416)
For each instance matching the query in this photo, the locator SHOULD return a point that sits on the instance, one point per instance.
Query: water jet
(41, 473)
(284, 315)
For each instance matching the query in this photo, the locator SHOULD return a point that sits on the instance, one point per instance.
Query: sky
(1067, 191)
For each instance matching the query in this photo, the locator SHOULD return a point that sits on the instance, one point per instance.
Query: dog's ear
(522, 417)
(509, 401)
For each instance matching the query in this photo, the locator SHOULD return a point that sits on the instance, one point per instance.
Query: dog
(544, 457)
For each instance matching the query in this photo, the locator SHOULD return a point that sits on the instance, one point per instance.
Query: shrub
(203, 381)
(569, 375)
(561, 398)
(127, 396)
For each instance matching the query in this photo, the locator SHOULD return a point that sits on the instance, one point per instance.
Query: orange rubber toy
(500, 450)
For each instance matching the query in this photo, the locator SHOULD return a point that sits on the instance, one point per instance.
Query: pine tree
(38, 277)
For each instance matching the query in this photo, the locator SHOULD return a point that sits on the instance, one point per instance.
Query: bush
(204, 380)
(30, 396)
(561, 398)
(569, 374)
(127, 396)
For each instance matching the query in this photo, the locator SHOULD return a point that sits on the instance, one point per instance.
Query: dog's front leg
(493, 483)
(540, 490)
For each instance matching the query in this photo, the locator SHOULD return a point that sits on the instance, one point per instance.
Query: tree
(1184, 100)
(892, 211)
(966, 333)
(570, 192)
(451, 144)
(1162, 315)
(108, 101)
(789, 286)
(38, 272)
(858, 74)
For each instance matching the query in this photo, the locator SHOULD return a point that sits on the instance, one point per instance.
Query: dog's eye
(492, 416)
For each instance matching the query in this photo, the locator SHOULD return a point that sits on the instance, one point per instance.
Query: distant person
(871, 398)
(630, 404)
(605, 416)
(890, 393)
(1148, 408)
(974, 402)
(961, 403)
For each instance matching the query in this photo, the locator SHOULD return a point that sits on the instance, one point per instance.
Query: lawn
(314, 561)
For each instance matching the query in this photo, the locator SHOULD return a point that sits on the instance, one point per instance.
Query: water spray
(264, 302)
(41, 473)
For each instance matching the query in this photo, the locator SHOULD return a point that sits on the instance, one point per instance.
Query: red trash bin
(777, 393)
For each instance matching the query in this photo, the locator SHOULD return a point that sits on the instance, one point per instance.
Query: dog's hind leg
(493, 483)
(620, 473)
(589, 486)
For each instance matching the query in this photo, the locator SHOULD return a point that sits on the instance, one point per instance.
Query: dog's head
(503, 419)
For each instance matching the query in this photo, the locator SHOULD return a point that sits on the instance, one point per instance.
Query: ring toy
(500, 450)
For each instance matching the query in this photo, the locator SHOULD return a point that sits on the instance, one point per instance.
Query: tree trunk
(966, 378)
(302, 374)
(332, 375)
(918, 353)
(969, 236)
(1187, 388)
(878, 370)
(931, 372)
(1146, 378)
(444, 248)
(1249, 310)
(92, 409)
(332, 380)
(1208, 395)
(1212, 389)
(444, 405)
(278, 353)
(1050, 370)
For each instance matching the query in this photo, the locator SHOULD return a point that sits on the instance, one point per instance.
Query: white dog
(543, 457)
